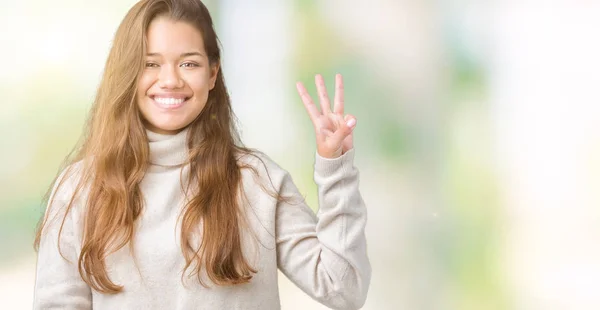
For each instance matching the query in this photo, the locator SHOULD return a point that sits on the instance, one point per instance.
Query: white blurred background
(478, 136)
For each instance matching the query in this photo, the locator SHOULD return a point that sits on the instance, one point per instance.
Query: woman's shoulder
(257, 164)
(69, 179)
(259, 160)
(67, 195)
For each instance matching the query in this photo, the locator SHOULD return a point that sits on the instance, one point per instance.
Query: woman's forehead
(168, 36)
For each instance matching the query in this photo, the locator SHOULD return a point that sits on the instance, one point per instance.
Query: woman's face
(174, 85)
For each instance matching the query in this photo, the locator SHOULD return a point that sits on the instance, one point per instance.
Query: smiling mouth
(169, 102)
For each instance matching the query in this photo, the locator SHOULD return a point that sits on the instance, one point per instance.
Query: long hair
(115, 138)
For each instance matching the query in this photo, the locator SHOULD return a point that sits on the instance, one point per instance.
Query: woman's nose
(169, 78)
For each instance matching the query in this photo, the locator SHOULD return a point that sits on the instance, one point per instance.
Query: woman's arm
(326, 255)
(58, 284)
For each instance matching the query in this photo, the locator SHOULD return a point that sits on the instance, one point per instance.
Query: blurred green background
(477, 137)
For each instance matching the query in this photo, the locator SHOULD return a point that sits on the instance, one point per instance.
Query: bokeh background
(478, 136)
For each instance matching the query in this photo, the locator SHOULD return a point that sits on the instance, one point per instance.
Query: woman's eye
(189, 65)
(151, 65)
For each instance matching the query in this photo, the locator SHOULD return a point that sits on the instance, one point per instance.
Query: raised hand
(333, 129)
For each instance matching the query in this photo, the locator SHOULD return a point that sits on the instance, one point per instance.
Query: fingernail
(351, 122)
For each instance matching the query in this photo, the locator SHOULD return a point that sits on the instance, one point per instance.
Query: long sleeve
(58, 284)
(325, 254)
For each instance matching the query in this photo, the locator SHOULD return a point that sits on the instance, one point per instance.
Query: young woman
(163, 208)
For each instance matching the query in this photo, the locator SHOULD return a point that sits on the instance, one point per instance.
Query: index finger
(311, 108)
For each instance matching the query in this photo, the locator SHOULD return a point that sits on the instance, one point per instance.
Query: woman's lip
(170, 95)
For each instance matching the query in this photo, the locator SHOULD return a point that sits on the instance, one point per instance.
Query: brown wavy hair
(115, 138)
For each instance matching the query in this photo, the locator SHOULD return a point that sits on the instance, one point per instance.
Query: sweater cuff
(328, 166)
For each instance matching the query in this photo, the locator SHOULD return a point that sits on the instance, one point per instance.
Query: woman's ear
(214, 72)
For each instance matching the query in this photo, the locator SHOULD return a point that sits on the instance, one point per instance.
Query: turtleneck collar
(168, 150)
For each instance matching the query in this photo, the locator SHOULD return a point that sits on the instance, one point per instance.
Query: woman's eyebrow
(182, 55)
(191, 54)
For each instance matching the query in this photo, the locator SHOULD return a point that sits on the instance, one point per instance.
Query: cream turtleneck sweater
(323, 254)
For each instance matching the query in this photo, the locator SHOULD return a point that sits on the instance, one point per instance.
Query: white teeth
(169, 101)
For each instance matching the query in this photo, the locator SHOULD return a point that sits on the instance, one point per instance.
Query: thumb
(350, 121)
(345, 130)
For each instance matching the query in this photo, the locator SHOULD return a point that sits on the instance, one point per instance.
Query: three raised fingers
(312, 109)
